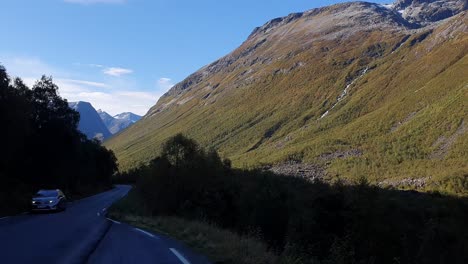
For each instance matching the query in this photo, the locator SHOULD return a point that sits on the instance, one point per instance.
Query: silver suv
(48, 200)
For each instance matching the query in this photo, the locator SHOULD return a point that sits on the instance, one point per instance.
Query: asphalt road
(82, 234)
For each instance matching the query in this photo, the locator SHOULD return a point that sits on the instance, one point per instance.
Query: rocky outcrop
(416, 183)
(274, 23)
(443, 144)
(423, 12)
(309, 171)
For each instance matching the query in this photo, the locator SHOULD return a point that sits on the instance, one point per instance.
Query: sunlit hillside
(353, 88)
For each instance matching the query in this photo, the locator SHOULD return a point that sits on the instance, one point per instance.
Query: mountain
(423, 12)
(128, 116)
(90, 121)
(346, 91)
(106, 118)
(119, 122)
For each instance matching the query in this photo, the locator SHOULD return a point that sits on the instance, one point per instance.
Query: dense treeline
(303, 222)
(41, 146)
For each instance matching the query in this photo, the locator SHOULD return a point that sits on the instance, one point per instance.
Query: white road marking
(4, 217)
(144, 232)
(179, 256)
(117, 222)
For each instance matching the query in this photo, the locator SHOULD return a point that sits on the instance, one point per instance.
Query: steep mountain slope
(119, 122)
(90, 121)
(106, 118)
(356, 88)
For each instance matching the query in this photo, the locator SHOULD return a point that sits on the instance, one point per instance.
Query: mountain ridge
(392, 14)
(118, 122)
(275, 23)
(90, 122)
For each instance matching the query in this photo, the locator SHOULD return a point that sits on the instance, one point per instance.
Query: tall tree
(41, 144)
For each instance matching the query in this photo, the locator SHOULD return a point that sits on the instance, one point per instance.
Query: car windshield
(46, 193)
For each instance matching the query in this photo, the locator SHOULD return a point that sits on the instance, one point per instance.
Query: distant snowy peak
(74, 105)
(90, 123)
(119, 122)
(128, 116)
(99, 124)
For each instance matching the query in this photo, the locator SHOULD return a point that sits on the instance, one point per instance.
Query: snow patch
(326, 113)
(398, 47)
(344, 93)
(388, 6)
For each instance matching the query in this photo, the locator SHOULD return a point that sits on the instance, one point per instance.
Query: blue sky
(122, 55)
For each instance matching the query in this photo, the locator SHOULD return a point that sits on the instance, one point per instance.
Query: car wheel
(61, 207)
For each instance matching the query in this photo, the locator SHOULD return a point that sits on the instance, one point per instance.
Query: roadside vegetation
(41, 146)
(219, 245)
(195, 196)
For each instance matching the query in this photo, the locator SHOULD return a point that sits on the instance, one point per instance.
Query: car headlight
(51, 201)
(34, 202)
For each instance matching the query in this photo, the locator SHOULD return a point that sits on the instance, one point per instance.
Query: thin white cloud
(81, 82)
(96, 65)
(90, 2)
(117, 72)
(92, 65)
(123, 97)
(117, 102)
(164, 84)
(114, 101)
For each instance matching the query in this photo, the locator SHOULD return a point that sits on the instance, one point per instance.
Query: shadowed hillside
(299, 221)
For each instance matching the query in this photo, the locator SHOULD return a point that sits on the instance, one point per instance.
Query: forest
(299, 221)
(42, 147)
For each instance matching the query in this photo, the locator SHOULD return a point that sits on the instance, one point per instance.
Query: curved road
(82, 234)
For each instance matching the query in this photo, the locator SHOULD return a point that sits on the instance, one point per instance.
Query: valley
(333, 135)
